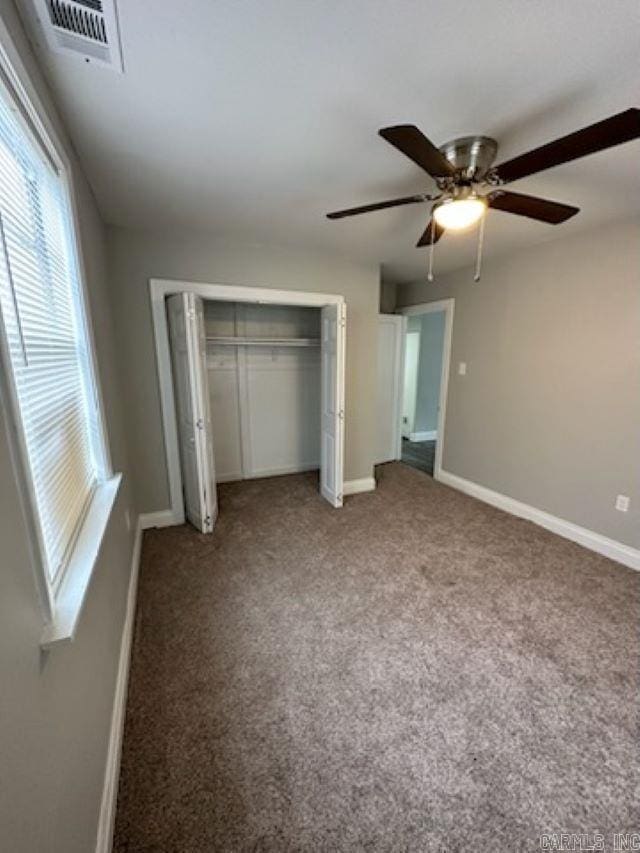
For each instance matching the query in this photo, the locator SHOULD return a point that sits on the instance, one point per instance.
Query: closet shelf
(263, 342)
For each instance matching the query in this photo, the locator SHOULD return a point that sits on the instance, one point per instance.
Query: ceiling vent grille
(86, 28)
(68, 17)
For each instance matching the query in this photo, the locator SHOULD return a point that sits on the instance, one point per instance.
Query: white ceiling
(251, 119)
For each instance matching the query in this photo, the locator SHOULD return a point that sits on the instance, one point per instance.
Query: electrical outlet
(622, 503)
(462, 368)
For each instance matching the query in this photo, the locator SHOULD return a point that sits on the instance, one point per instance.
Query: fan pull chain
(431, 249)
(476, 275)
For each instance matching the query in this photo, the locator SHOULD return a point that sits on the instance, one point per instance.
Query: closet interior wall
(265, 397)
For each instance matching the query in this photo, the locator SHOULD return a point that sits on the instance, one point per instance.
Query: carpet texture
(415, 672)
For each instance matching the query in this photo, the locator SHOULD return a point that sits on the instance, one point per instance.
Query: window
(45, 342)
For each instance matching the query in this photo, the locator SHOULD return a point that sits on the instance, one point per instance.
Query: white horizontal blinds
(46, 338)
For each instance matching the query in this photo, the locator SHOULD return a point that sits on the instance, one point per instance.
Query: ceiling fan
(469, 184)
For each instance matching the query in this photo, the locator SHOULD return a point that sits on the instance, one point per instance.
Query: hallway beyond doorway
(419, 454)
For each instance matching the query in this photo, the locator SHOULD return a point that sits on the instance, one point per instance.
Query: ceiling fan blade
(425, 240)
(529, 205)
(415, 145)
(597, 137)
(353, 211)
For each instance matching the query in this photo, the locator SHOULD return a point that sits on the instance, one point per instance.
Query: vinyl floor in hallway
(419, 454)
(415, 672)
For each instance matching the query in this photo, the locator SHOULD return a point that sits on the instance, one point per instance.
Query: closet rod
(263, 342)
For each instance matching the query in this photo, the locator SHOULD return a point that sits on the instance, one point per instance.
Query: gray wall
(55, 709)
(549, 411)
(388, 297)
(429, 370)
(137, 256)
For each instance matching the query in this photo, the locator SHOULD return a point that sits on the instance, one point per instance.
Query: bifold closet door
(188, 356)
(332, 342)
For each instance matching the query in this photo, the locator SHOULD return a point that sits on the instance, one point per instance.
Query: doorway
(427, 345)
(182, 338)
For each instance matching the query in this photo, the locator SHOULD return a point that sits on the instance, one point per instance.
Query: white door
(332, 403)
(390, 383)
(188, 356)
(411, 358)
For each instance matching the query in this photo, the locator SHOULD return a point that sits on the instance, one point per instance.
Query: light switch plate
(462, 368)
(622, 503)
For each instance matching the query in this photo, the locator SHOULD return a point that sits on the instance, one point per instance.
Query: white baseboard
(429, 435)
(260, 473)
(588, 538)
(163, 518)
(112, 771)
(229, 478)
(355, 487)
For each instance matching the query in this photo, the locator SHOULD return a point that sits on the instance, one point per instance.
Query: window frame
(63, 598)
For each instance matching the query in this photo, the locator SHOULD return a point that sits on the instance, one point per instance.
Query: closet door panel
(283, 386)
(222, 370)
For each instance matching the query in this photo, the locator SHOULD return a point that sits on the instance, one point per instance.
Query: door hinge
(341, 414)
(200, 423)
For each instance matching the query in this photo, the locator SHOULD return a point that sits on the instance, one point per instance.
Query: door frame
(446, 305)
(159, 289)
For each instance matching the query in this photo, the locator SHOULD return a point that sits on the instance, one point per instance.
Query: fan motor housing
(472, 156)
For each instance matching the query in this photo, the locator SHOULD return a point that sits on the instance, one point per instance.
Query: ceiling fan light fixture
(456, 214)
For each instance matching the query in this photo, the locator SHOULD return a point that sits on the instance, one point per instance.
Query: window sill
(75, 585)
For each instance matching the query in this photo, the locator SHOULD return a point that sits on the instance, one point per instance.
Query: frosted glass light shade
(458, 214)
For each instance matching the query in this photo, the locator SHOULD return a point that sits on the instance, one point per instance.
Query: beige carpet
(414, 672)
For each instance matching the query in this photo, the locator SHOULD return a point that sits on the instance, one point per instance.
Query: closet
(263, 379)
(249, 389)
